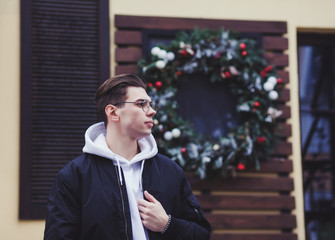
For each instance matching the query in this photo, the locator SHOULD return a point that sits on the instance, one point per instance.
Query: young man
(120, 187)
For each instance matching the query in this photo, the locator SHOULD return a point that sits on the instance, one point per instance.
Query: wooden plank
(286, 111)
(274, 43)
(172, 23)
(131, 68)
(284, 129)
(133, 37)
(283, 75)
(283, 148)
(242, 183)
(245, 202)
(120, 69)
(128, 37)
(285, 95)
(253, 236)
(277, 59)
(135, 54)
(128, 55)
(244, 221)
(275, 165)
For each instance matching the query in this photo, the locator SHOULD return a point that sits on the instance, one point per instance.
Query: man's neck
(124, 147)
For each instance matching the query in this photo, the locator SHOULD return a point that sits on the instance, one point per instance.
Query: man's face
(136, 123)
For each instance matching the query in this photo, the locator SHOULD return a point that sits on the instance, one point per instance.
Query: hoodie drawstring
(120, 174)
(119, 168)
(140, 182)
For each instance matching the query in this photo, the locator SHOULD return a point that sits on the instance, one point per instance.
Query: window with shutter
(64, 57)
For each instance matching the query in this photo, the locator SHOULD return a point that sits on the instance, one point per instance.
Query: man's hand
(152, 213)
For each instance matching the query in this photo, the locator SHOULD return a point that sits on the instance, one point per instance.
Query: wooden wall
(256, 205)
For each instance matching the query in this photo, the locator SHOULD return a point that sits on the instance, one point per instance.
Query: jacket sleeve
(192, 224)
(63, 219)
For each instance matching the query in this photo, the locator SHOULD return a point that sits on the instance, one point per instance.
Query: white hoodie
(95, 143)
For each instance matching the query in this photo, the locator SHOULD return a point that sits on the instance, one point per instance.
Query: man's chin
(144, 135)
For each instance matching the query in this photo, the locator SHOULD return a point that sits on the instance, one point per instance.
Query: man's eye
(141, 104)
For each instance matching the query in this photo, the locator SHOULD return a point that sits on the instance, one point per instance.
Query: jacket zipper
(122, 200)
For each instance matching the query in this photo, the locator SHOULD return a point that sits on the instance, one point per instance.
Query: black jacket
(87, 201)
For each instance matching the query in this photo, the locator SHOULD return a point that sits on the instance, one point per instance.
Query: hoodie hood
(95, 143)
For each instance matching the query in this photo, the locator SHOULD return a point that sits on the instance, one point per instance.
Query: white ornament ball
(156, 121)
(168, 135)
(206, 159)
(268, 118)
(155, 51)
(170, 56)
(160, 127)
(182, 45)
(208, 52)
(216, 147)
(272, 80)
(164, 118)
(160, 64)
(162, 102)
(162, 54)
(273, 95)
(244, 108)
(176, 133)
(268, 86)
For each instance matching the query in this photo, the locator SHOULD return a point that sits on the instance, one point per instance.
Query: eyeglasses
(144, 104)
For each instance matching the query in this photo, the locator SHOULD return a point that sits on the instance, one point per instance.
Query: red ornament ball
(179, 73)
(227, 74)
(183, 150)
(260, 139)
(158, 84)
(257, 104)
(240, 166)
(242, 46)
(150, 85)
(244, 53)
(279, 80)
(183, 52)
(263, 74)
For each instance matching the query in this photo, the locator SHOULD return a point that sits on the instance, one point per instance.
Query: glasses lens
(154, 106)
(146, 105)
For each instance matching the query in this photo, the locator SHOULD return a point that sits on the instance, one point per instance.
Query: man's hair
(114, 90)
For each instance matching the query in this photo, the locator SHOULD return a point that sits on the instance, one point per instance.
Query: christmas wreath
(222, 57)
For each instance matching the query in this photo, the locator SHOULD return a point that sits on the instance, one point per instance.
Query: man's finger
(149, 197)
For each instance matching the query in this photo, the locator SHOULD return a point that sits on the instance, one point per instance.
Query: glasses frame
(141, 103)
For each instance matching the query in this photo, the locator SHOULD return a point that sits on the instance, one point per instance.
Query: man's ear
(110, 112)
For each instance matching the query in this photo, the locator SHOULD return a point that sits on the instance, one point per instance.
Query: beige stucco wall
(298, 14)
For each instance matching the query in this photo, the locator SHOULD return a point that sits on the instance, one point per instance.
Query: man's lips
(150, 123)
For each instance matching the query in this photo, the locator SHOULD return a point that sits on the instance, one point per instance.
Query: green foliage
(221, 57)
